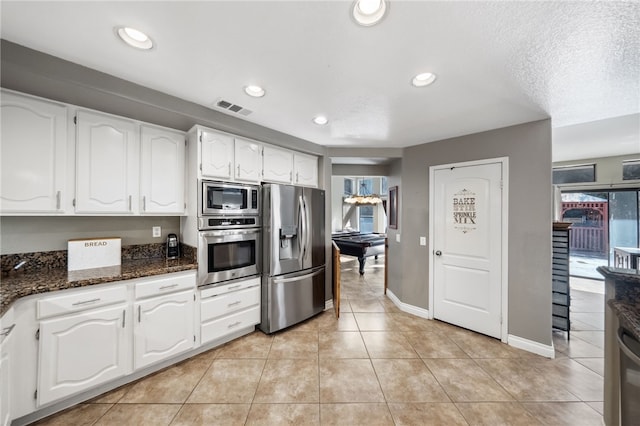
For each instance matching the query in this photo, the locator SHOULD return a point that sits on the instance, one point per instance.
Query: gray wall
(32, 234)
(528, 147)
(395, 253)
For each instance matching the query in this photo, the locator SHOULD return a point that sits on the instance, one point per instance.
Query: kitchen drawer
(221, 289)
(80, 301)
(213, 307)
(221, 327)
(170, 284)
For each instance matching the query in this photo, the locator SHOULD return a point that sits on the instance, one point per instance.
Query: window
(574, 174)
(348, 186)
(631, 170)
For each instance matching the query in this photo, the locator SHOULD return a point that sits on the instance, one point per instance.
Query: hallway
(375, 366)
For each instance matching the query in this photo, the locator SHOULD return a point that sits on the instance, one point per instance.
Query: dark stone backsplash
(39, 261)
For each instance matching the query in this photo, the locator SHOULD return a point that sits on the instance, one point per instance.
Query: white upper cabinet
(248, 156)
(216, 155)
(33, 155)
(277, 164)
(107, 150)
(162, 171)
(305, 170)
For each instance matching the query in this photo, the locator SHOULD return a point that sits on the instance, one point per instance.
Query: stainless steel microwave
(222, 198)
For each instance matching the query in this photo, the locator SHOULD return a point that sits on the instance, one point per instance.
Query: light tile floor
(374, 366)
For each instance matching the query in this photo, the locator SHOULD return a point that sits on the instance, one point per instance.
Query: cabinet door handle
(84, 302)
(297, 179)
(235, 324)
(164, 287)
(234, 303)
(290, 176)
(144, 203)
(233, 287)
(7, 331)
(58, 200)
(238, 170)
(124, 314)
(139, 313)
(129, 202)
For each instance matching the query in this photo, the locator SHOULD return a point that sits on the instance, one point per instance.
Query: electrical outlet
(157, 231)
(423, 241)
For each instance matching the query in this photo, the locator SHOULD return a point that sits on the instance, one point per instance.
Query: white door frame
(505, 234)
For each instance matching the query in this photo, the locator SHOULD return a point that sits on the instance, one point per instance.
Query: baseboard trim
(328, 304)
(531, 346)
(410, 309)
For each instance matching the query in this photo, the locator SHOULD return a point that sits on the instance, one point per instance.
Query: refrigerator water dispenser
(288, 234)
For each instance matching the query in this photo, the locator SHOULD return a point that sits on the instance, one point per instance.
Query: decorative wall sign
(464, 211)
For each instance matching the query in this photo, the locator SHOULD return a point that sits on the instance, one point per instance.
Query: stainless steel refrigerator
(293, 255)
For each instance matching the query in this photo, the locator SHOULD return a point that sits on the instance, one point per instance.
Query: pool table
(359, 245)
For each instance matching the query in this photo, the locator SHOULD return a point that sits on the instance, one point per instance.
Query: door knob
(438, 253)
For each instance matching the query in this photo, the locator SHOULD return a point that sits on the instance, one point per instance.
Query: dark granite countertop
(626, 304)
(17, 285)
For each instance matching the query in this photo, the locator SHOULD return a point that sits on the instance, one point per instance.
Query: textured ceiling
(498, 63)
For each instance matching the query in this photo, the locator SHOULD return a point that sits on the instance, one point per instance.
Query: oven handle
(227, 233)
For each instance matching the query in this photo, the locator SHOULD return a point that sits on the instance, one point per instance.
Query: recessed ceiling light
(369, 12)
(320, 120)
(254, 91)
(134, 38)
(423, 79)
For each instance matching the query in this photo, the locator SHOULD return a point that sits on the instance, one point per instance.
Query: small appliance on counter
(173, 246)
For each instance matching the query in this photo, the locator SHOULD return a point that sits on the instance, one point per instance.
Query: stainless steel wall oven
(228, 254)
(230, 232)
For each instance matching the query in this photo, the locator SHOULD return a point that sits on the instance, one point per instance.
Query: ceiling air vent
(221, 103)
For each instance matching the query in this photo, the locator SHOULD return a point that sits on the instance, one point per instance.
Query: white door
(107, 164)
(467, 247)
(162, 171)
(163, 327)
(216, 155)
(80, 351)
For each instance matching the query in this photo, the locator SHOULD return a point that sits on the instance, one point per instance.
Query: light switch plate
(157, 231)
(423, 241)
(397, 238)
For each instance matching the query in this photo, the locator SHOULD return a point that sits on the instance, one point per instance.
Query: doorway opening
(602, 221)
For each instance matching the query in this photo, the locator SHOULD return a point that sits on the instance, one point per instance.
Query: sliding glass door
(623, 220)
(601, 221)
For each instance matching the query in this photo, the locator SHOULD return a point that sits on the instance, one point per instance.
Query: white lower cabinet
(81, 350)
(163, 327)
(6, 330)
(226, 309)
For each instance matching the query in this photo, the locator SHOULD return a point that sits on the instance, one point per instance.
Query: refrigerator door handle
(298, 278)
(307, 234)
(302, 238)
